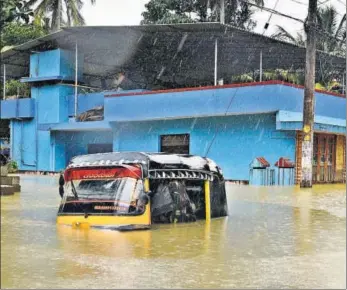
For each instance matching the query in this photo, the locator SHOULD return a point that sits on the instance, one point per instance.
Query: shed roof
(179, 53)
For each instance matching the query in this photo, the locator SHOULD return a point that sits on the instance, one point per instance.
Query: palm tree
(53, 10)
(331, 33)
(283, 34)
(237, 12)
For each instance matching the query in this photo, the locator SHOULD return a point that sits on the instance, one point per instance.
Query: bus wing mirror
(61, 185)
(61, 191)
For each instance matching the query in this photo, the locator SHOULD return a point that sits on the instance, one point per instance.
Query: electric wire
(268, 21)
(217, 131)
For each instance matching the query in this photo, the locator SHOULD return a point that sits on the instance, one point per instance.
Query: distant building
(243, 127)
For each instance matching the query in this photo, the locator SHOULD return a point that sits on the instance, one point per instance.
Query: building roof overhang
(172, 54)
(286, 120)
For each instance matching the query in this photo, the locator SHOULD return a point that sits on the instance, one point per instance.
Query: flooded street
(278, 237)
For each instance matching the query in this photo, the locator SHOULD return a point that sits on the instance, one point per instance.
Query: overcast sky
(128, 12)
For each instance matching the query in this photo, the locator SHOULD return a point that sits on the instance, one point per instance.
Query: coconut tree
(285, 35)
(54, 10)
(331, 35)
(331, 32)
(237, 12)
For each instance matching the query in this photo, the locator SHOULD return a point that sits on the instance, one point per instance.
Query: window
(99, 148)
(178, 144)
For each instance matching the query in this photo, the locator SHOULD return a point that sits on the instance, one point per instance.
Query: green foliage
(330, 34)
(12, 166)
(237, 12)
(294, 77)
(48, 15)
(16, 88)
(15, 33)
(329, 29)
(14, 10)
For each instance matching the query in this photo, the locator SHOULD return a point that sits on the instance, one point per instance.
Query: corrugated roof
(263, 161)
(180, 53)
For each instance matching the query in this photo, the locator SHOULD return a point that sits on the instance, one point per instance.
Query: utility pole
(309, 100)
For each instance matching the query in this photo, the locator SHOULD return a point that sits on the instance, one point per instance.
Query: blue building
(246, 128)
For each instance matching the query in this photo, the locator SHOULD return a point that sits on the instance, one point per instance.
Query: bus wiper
(74, 190)
(76, 196)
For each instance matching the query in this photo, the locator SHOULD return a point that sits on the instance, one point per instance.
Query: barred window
(99, 148)
(178, 144)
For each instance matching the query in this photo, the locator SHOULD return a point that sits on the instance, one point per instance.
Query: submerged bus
(133, 190)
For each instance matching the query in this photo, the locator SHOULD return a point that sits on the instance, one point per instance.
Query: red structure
(284, 163)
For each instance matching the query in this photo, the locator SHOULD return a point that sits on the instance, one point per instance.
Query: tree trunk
(58, 16)
(309, 100)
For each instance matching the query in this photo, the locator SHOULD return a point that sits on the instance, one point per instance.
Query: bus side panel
(219, 206)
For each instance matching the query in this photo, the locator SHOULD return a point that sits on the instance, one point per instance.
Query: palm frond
(327, 19)
(283, 34)
(43, 8)
(76, 16)
(258, 2)
(31, 3)
(341, 29)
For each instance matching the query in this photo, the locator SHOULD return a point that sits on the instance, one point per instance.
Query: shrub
(12, 166)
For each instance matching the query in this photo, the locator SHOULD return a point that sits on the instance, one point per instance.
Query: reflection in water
(274, 237)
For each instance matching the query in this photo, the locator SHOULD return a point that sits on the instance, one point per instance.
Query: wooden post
(309, 100)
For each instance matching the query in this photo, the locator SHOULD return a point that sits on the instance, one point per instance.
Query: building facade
(235, 125)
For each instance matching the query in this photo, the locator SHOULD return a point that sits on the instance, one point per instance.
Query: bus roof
(151, 160)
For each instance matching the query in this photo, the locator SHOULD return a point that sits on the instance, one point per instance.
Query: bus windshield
(119, 189)
(102, 191)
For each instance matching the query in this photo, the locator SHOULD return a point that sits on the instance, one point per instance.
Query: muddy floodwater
(274, 237)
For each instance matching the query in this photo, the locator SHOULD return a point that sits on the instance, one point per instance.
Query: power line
(273, 11)
(299, 2)
(268, 21)
(323, 2)
(321, 31)
(218, 128)
(341, 2)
